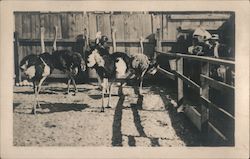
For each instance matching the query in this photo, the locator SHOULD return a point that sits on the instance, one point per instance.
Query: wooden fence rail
(200, 58)
(201, 118)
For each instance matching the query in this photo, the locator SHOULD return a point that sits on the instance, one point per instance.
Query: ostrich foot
(102, 109)
(33, 111)
(108, 106)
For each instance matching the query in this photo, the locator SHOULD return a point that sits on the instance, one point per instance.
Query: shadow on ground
(184, 129)
(62, 107)
(182, 125)
(52, 90)
(15, 105)
(117, 134)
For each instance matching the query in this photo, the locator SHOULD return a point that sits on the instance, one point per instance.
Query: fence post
(179, 69)
(113, 32)
(157, 43)
(16, 54)
(204, 110)
(86, 41)
(158, 40)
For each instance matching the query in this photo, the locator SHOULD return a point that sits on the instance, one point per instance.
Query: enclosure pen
(187, 98)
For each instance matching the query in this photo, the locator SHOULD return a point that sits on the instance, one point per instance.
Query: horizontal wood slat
(210, 104)
(167, 73)
(194, 116)
(202, 16)
(218, 132)
(31, 42)
(217, 84)
(200, 58)
(74, 40)
(188, 81)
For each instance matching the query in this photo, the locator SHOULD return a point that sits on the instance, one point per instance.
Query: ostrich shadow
(63, 107)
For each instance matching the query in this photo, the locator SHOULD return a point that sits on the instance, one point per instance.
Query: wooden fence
(216, 123)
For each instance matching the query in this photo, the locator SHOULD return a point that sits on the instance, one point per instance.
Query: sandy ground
(67, 120)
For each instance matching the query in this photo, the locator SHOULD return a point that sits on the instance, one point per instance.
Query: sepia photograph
(125, 78)
(182, 62)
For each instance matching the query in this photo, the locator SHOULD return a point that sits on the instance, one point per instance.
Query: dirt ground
(68, 120)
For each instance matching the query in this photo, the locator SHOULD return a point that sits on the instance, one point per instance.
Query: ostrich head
(153, 66)
(28, 61)
(27, 65)
(101, 41)
(98, 37)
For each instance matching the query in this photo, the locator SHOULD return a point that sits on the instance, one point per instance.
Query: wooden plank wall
(130, 26)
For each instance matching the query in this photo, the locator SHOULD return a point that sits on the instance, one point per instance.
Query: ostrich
(111, 67)
(38, 67)
(69, 62)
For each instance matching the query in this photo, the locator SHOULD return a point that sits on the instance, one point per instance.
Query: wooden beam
(74, 40)
(141, 44)
(167, 73)
(45, 40)
(204, 109)
(194, 116)
(200, 58)
(202, 16)
(217, 84)
(209, 104)
(217, 131)
(29, 42)
(159, 39)
(208, 59)
(179, 69)
(16, 54)
(113, 32)
(133, 41)
(208, 25)
(189, 82)
(189, 12)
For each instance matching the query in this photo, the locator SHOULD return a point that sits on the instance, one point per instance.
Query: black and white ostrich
(110, 67)
(38, 67)
(69, 62)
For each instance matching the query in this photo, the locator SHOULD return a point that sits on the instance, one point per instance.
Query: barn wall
(175, 28)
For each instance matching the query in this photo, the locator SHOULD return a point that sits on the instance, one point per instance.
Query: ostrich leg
(141, 82)
(103, 91)
(36, 101)
(69, 81)
(74, 84)
(40, 84)
(110, 91)
(38, 91)
(104, 87)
